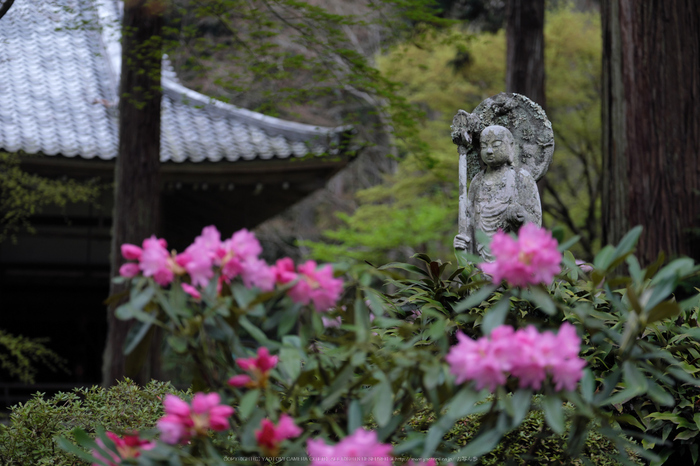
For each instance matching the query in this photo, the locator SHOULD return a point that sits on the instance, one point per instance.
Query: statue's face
(496, 146)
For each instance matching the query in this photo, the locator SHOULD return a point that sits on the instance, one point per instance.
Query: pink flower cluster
(128, 447)
(259, 368)
(182, 421)
(313, 284)
(270, 436)
(532, 258)
(526, 354)
(237, 256)
(360, 448)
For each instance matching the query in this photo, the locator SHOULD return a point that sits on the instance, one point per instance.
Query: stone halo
(525, 119)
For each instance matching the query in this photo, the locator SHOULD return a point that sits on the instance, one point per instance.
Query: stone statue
(505, 146)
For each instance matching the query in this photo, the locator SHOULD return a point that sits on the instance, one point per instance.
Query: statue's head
(497, 146)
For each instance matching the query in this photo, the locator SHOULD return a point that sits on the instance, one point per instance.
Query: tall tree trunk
(651, 124)
(137, 179)
(525, 49)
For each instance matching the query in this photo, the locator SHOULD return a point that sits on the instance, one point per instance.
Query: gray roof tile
(58, 95)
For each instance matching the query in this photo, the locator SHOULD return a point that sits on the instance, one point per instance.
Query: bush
(292, 365)
(30, 437)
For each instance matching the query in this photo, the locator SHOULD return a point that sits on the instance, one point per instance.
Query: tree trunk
(137, 179)
(651, 124)
(525, 49)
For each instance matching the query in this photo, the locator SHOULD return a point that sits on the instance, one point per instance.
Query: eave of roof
(58, 96)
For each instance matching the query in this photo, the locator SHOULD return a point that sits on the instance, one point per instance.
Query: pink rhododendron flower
(360, 448)
(270, 436)
(129, 270)
(131, 252)
(317, 286)
(480, 361)
(331, 323)
(258, 367)
(182, 421)
(284, 271)
(526, 354)
(241, 247)
(154, 261)
(192, 291)
(128, 447)
(240, 380)
(532, 258)
(584, 266)
(256, 272)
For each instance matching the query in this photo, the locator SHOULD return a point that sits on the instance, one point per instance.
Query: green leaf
(464, 258)
(674, 270)
(254, 331)
(659, 395)
(475, 299)
(686, 435)
(290, 362)
(376, 304)
(383, 403)
(463, 404)
(604, 257)
(672, 417)
(587, 385)
(137, 332)
(354, 416)
(481, 445)
(124, 312)
(403, 266)
(554, 413)
(568, 243)
(70, 447)
(660, 292)
(495, 316)
(243, 296)
(139, 300)
(288, 319)
(682, 374)
(339, 386)
(635, 270)
(662, 311)
(629, 419)
(543, 300)
(248, 403)
(521, 405)
(177, 343)
(627, 243)
(634, 378)
(362, 323)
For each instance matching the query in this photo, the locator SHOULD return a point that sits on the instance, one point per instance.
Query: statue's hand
(462, 241)
(516, 215)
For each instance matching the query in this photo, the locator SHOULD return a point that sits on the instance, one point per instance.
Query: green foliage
(30, 436)
(450, 70)
(531, 441)
(23, 194)
(384, 367)
(20, 355)
(281, 55)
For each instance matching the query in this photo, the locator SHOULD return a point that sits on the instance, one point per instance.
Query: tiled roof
(59, 95)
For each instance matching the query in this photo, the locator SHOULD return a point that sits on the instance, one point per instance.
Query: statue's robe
(488, 201)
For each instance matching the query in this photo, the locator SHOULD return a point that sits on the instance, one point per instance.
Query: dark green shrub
(29, 438)
(532, 442)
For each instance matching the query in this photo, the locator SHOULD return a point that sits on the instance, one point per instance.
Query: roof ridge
(110, 14)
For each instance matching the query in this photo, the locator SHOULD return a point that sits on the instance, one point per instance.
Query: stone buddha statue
(501, 196)
(505, 145)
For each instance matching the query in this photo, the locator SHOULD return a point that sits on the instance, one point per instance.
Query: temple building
(220, 164)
